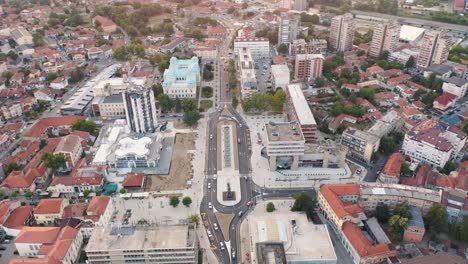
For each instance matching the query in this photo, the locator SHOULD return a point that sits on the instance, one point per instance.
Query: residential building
(402, 56)
(173, 243)
(288, 29)
(111, 106)
(59, 83)
(280, 76)
(276, 234)
(299, 5)
(435, 47)
(182, 78)
(285, 141)
(48, 245)
(314, 46)
(415, 230)
(116, 86)
(297, 109)
(439, 70)
(386, 37)
(21, 36)
(11, 111)
(259, 47)
(385, 125)
(391, 170)
(71, 147)
(445, 101)
(100, 210)
(49, 210)
(246, 66)
(134, 181)
(361, 144)
(13, 216)
(107, 25)
(342, 32)
(140, 109)
(308, 66)
(456, 86)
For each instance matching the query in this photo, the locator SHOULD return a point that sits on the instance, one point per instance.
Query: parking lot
(7, 251)
(263, 74)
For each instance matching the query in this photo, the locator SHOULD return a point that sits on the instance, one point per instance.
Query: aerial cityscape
(233, 131)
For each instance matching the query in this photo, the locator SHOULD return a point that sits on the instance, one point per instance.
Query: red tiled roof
(332, 193)
(19, 216)
(432, 137)
(133, 180)
(74, 210)
(360, 242)
(59, 249)
(462, 179)
(446, 181)
(5, 206)
(393, 165)
(38, 129)
(37, 234)
(420, 179)
(49, 206)
(374, 69)
(98, 205)
(445, 98)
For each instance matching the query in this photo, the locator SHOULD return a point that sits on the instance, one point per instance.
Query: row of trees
(136, 48)
(381, 6)
(260, 102)
(270, 33)
(458, 54)
(174, 201)
(189, 106)
(71, 18)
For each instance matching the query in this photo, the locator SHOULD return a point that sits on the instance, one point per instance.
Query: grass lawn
(205, 105)
(156, 20)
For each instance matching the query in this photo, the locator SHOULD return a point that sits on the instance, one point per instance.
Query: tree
(405, 169)
(157, 89)
(387, 144)
(38, 40)
(123, 191)
(403, 210)
(410, 62)
(178, 105)
(86, 193)
(235, 101)
(398, 225)
(303, 202)
(449, 167)
(382, 213)
(187, 201)
(360, 53)
(191, 118)
(189, 105)
(283, 49)
(437, 219)
(98, 192)
(85, 125)
(76, 75)
(13, 194)
(319, 82)
(11, 167)
(270, 207)
(54, 161)
(28, 194)
(165, 103)
(195, 218)
(174, 201)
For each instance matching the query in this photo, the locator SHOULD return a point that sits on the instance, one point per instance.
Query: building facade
(456, 86)
(259, 47)
(297, 109)
(284, 140)
(308, 66)
(70, 146)
(342, 32)
(314, 46)
(361, 144)
(248, 80)
(288, 29)
(434, 48)
(140, 109)
(386, 37)
(280, 76)
(182, 78)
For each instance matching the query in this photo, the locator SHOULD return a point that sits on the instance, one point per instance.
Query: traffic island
(224, 220)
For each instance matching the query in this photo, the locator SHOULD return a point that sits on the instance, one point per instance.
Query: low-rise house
(415, 230)
(100, 210)
(71, 147)
(107, 25)
(439, 70)
(445, 101)
(13, 216)
(48, 211)
(59, 83)
(134, 181)
(456, 86)
(391, 170)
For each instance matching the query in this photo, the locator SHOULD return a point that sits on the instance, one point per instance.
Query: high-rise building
(288, 29)
(314, 46)
(308, 66)
(435, 47)
(299, 5)
(386, 37)
(297, 109)
(342, 32)
(140, 109)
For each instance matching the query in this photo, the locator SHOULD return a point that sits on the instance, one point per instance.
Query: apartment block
(361, 144)
(386, 37)
(259, 47)
(288, 29)
(456, 86)
(248, 80)
(342, 32)
(308, 66)
(297, 109)
(140, 109)
(434, 48)
(314, 46)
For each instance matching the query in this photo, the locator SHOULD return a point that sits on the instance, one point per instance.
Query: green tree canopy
(192, 117)
(174, 201)
(270, 207)
(187, 201)
(54, 161)
(437, 218)
(303, 202)
(85, 125)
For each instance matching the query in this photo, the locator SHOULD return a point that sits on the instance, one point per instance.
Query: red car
(249, 203)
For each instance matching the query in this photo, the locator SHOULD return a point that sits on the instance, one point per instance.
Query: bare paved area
(181, 167)
(223, 221)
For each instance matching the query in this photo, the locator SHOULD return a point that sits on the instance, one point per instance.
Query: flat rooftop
(304, 114)
(132, 238)
(302, 240)
(287, 131)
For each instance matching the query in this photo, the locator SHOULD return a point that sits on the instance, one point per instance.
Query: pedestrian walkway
(231, 177)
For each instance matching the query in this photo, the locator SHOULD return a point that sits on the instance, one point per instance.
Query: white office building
(259, 47)
(140, 109)
(248, 80)
(456, 86)
(182, 78)
(288, 29)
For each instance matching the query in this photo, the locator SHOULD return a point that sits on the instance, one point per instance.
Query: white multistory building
(456, 86)
(386, 37)
(140, 109)
(342, 32)
(259, 47)
(288, 29)
(434, 48)
(248, 80)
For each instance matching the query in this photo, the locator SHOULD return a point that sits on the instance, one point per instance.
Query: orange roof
(332, 193)
(393, 165)
(5, 206)
(68, 143)
(18, 217)
(49, 206)
(59, 249)
(360, 242)
(30, 261)
(38, 129)
(74, 210)
(37, 234)
(133, 180)
(98, 205)
(446, 181)
(91, 180)
(462, 180)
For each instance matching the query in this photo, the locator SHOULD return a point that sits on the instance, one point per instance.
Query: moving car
(210, 205)
(209, 185)
(221, 246)
(215, 226)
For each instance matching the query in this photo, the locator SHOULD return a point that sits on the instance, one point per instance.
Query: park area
(181, 166)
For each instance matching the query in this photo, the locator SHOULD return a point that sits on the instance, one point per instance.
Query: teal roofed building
(182, 78)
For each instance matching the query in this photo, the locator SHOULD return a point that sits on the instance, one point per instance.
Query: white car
(210, 205)
(209, 185)
(209, 233)
(215, 177)
(215, 226)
